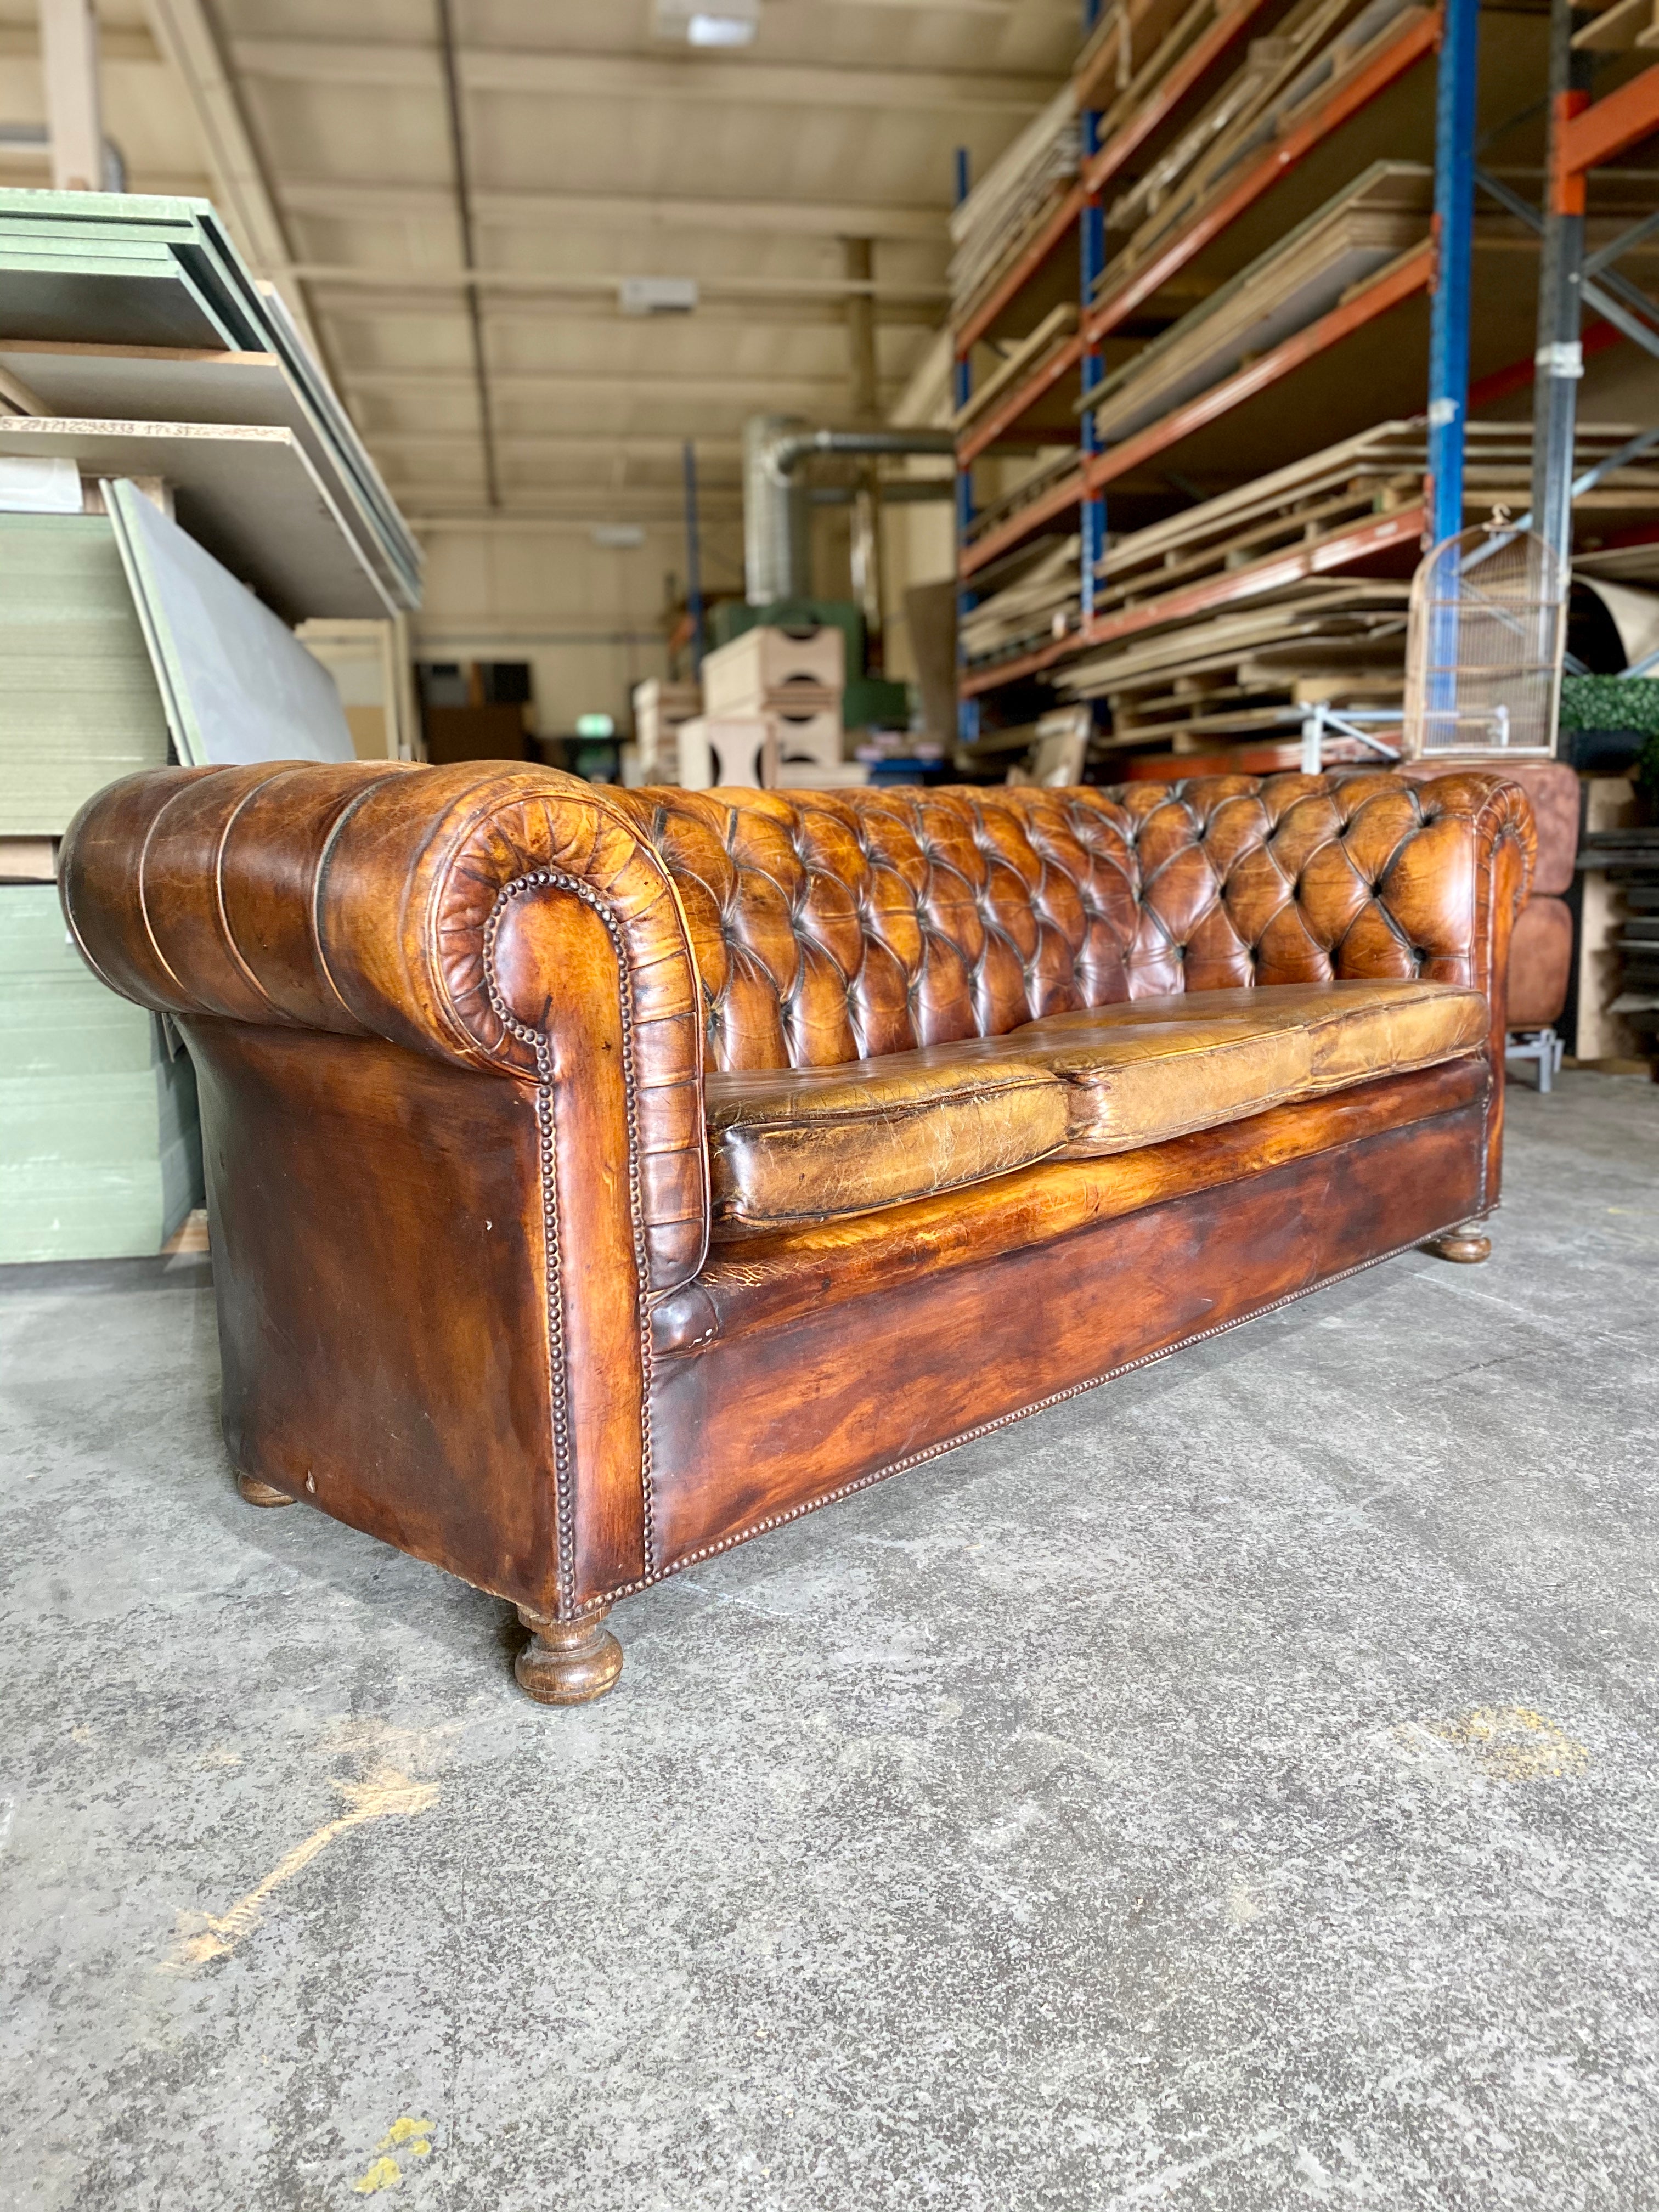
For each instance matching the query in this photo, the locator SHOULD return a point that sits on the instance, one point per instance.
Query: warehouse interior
(829, 869)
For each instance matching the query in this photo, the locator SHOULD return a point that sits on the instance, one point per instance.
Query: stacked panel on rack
(137, 312)
(1264, 277)
(178, 485)
(101, 1157)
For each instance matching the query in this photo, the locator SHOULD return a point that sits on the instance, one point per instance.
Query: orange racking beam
(995, 542)
(1403, 528)
(1002, 419)
(1607, 127)
(1419, 36)
(1180, 80)
(1411, 273)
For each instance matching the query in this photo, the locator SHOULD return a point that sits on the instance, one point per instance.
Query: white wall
(590, 619)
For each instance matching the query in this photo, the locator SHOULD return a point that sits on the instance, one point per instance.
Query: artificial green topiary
(1610, 702)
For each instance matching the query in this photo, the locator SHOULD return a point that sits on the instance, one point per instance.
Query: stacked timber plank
(1383, 214)
(1032, 597)
(1254, 671)
(1315, 48)
(1011, 203)
(1225, 621)
(1024, 359)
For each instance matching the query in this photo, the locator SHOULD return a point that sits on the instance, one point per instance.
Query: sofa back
(837, 926)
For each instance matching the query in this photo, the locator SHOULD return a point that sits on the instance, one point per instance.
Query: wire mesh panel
(1484, 648)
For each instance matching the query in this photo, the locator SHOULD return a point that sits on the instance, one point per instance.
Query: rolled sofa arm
(428, 907)
(1451, 859)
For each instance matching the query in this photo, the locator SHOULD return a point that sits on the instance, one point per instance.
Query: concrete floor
(1234, 1788)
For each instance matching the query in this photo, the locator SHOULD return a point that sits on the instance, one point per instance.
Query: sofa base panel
(756, 1431)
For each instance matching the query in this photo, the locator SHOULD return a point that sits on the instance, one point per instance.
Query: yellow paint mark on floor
(406, 2133)
(1512, 1743)
(386, 1792)
(407, 2130)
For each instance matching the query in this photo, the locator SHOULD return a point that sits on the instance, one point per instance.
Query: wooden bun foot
(568, 1662)
(1467, 1245)
(261, 1493)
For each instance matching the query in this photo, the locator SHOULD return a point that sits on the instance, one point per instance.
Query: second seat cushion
(1153, 1069)
(795, 1145)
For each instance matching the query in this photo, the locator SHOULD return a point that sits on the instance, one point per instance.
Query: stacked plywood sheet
(1309, 507)
(1252, 672)
(1314, 49)
(1038, 601)
(137, 312)
(1051, 337)
(101, 1157)
(1383, 214)
(82, 704)
(1012, 201)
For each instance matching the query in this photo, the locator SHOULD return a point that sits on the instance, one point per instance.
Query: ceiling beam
(646, 444)
(527, 384)
(120, 43)
(349, 275)
(372, 203)
(386, 306)
(541, 74)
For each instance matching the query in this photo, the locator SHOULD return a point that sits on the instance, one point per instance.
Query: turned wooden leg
(261, 1493)
(1468, 1244)
(567, 1662)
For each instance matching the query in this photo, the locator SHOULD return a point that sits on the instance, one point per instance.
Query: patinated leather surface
(799, 1144)
(446, 910)
(1540, 965)
(834, 927)
(807, 1143)
(764, 1283)
(364, 957)
(1159, 1068)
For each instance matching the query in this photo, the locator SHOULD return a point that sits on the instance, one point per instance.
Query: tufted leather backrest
(836, 925)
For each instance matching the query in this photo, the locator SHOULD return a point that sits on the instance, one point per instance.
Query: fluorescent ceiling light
(708, 23)
(619, 537)
(721, 31)
(657, 295)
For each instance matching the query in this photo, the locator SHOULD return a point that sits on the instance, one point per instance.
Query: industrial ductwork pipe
(777, 553)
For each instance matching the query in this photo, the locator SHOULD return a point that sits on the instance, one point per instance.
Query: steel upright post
(1560, 356)
(962, 386)
(1453, 227)
(1091, 262)
(693, 558)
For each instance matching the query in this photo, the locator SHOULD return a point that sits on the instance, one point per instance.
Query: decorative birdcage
(1484, 647)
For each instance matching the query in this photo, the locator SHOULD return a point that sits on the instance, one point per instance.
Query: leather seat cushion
(811, 1144)
(796, 1145)
(1153, 1069)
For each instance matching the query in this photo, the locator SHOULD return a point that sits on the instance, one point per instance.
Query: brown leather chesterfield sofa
(599, 1178)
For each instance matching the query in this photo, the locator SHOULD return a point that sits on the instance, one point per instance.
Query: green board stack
(101, 1155)
(82, 706)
